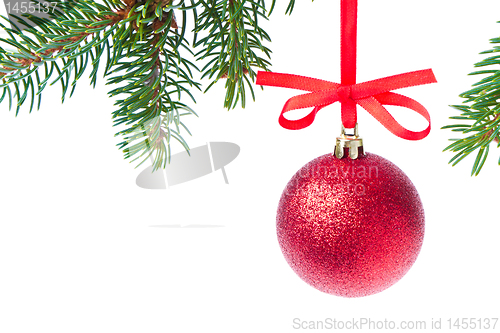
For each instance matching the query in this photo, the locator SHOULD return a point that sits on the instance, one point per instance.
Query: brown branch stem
(490, 132)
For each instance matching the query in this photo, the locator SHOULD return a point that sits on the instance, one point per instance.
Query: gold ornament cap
(349, 144)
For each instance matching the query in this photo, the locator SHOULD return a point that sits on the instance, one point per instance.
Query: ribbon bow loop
(370, 95)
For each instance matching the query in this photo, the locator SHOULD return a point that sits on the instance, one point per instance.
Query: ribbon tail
(389, 83)
(293, 81)
(374, 106)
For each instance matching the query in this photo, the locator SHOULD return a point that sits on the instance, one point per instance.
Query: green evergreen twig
(142, 48)
(481, 112)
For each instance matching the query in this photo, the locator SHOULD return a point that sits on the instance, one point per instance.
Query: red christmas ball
(348, 227)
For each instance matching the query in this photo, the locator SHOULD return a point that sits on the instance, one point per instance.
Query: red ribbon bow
(370, 95)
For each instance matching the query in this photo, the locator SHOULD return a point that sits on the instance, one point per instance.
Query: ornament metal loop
(352, 142)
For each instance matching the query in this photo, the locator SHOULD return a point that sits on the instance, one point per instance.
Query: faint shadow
(184, 167)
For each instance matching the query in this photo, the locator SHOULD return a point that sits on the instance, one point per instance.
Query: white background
(83, 249)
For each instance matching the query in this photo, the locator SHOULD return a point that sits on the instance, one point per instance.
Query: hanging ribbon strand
(370, 95)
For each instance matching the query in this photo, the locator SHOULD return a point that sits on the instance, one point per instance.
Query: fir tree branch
(232, 38)
(56, 40)
(157, 76)
(481, 111)
(145, 54)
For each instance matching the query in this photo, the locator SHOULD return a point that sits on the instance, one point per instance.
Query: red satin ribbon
(370, 95)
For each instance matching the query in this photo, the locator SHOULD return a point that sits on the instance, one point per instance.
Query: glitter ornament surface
(350, 228)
